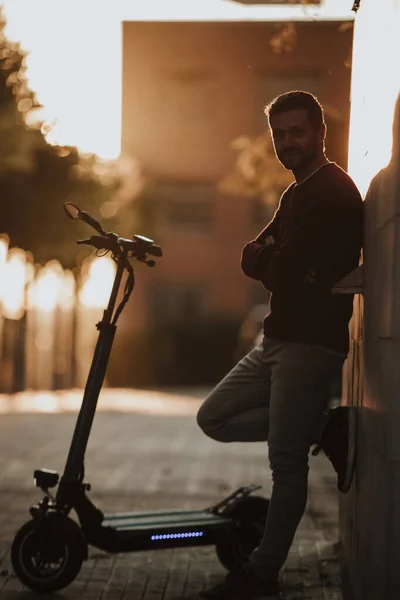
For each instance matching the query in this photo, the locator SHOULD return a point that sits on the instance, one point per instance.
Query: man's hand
(255, 257)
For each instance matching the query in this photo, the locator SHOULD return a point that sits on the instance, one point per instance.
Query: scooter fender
(57, 524)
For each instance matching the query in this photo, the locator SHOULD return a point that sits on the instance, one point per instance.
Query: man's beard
(296, 159)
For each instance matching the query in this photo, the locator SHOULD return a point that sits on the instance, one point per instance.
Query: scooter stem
(76, 455)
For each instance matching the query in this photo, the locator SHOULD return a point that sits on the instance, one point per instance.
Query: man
(278, 392)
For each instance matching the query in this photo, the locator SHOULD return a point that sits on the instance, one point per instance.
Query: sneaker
(339, 444)
(244, 584)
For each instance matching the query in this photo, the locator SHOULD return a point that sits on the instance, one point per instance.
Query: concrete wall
(370, 513)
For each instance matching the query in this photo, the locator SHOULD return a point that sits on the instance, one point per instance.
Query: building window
(183, 207)
(177, 302)
(189, 95)
(195, 216)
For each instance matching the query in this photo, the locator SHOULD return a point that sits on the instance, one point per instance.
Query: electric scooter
(48, 550)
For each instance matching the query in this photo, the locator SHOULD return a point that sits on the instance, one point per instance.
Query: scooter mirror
(76, 213)
(72, 210)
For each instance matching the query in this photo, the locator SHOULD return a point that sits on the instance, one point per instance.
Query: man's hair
(295, 100)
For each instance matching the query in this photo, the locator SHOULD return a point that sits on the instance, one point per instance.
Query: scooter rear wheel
(249, 516)
(47, 556)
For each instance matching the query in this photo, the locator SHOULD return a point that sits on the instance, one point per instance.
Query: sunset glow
(373, 93)
(75, 63)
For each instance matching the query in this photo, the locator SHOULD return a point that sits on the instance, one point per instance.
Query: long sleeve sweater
(317, 226)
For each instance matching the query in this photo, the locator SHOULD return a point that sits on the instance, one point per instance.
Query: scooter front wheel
(47, 556)
(234, 549)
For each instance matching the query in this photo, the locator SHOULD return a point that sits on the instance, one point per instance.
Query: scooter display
(48, 551)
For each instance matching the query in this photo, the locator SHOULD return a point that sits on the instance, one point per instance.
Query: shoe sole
(351, 456)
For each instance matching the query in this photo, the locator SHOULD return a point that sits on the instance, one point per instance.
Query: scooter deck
(163, 519)
(127, 532)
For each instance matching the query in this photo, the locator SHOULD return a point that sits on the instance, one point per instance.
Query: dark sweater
(318, 225)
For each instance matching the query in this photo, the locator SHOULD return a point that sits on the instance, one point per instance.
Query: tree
(256, 171)
(17, 143)
(285, 38)
(36, 178)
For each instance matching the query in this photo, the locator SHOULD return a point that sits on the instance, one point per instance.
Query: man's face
(295, 140)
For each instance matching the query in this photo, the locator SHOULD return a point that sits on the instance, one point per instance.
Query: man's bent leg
(300, 374)
(237, 409)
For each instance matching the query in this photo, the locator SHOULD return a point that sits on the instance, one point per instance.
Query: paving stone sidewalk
(141, 461)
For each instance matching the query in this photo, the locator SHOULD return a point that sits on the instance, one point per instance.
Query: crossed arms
(312, 243)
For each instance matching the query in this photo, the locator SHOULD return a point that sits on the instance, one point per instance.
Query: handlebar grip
(155, 250)
(115, 244)
(141, 245)
(101, 242)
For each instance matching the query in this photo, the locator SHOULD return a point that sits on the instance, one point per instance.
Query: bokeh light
(13, 284)
(45, 291)
(74, 61)
(97, 282)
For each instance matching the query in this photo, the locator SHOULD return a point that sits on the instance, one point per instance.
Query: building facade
(189, 90)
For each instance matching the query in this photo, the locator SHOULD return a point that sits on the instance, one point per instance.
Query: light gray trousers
(276, 393)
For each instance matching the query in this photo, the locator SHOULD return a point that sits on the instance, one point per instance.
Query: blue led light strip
(175, 536)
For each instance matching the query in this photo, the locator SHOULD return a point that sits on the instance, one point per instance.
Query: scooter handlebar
(101, 242)
(139, 246)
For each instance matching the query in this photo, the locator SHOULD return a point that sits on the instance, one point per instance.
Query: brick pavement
(146, 461)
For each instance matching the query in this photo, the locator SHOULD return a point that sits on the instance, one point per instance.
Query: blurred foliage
(285, 39)
(36, 178)
(17, 143)
(257, 171)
